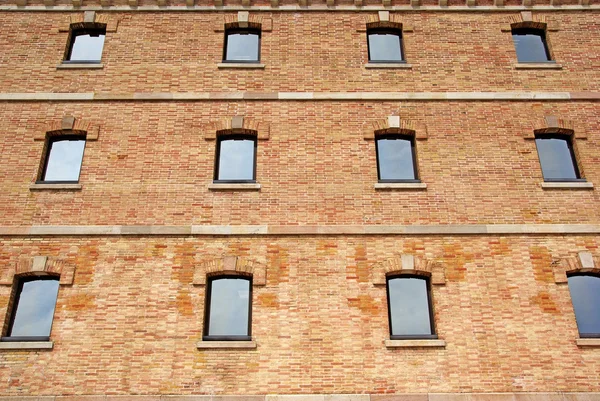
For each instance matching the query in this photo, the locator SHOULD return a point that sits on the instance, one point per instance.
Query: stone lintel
(415, 343)
(204, 345)
(25, 345)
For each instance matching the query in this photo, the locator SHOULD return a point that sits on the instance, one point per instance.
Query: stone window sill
(80, 66)
(400, 185)
(588, 342)
(234, 187)
(538, 66)
(389, 65)
(21, 345)
(567, 185)
(415, 343)
(226, 344)
(255, 66)
(67, 187)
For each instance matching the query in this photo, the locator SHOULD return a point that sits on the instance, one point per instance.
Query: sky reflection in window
(35, 308)
(384, 47)
(585, 294)
(236, 159)
(229, 307)
(395, 159)
(409, 306)
(87, 48)
(64, 160)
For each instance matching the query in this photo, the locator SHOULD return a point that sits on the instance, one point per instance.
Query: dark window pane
(409, 306)
(556, 158)
(395, 158)
(530, 46)
(585, 294)
(242, 47)
(236, 159)
(87, 47)
(64, 160)
(229, 307)
(384, 47)
(35, 308)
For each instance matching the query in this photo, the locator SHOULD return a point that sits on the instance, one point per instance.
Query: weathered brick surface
(311, 51)
(130, 321)
(151, 165)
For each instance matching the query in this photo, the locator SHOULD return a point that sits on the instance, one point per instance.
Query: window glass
(242, 46)
(585, 294)
(236, 159)
(395, 159)
(229, 307)
(64, 158)
(556, 158)
(86, 46)
(385, 46)
(34, 308)
(408, 299)
(530, 45)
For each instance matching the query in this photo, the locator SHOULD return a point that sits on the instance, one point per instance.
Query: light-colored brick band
(449, 229)
(326, 397)
(296, 8)
(377, 96)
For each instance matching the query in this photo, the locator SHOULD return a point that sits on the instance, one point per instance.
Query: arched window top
(585, 294)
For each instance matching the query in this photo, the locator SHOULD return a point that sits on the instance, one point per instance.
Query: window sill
(400, 185)
(255, 66)
(567, 185)
(19, 345)
(234, 187)
(389, 65)
(68, 187)
(80, 66)
(415, 343)
(588, 342)
(226, 344)
(538, 66)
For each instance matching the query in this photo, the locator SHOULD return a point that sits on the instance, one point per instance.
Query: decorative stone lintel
(26, 345)
(567, 185)
(231, 264)
(226, 344)
(415, 343)
(584, 262)
(408, 264)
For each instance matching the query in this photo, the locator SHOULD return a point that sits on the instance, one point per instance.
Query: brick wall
(131, 319)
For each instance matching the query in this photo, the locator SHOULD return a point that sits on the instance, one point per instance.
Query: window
(530, 45)
(85, 45)
(228, 308)
(409, 307)
(585, 294)
(33, 309)
(242, 46)
(557, 157)
(385, 45)
(62, 160)
(396, 160)
(236, 159)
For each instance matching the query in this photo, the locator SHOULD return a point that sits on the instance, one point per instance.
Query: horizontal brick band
(362, 96)
(325, 397)
(297, 8)
(450, 229)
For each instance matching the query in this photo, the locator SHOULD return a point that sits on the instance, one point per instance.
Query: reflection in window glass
(530, 45)
(585, 294)
(395, 159)
(242, 46)
(229, 307)
(63, 162)
(556, 158)
(86, 46)
(34, 308)
(385, 46)
(409, 307)
(236, 159)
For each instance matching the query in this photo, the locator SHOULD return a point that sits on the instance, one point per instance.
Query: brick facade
(134, 241)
